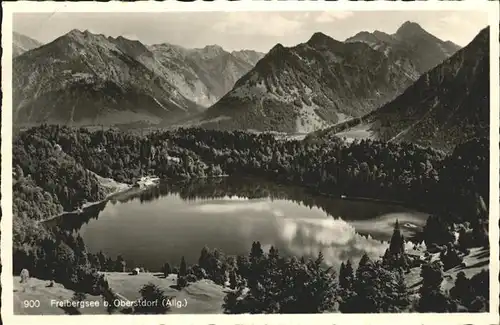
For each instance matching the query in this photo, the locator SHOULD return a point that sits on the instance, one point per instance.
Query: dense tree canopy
(55, 170)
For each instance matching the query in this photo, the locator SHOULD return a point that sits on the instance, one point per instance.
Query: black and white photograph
(251, 162)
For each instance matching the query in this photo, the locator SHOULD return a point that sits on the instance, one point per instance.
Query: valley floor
(359, 132)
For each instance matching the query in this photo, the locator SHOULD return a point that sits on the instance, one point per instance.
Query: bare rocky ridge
(410, 45)
(324, 81)
(22, 43)
(83, 78)
(444, 107)
(217, 69)
(249, 56)
(203, 75)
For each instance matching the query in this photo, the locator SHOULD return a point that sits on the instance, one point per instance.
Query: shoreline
(364, 199)
(91, 204)
(311, 189)
(121, 188)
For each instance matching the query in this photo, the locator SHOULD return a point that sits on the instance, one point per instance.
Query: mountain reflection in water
(164, 223)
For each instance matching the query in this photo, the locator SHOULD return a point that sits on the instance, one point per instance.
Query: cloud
(331, 16)
(252, 23)
(335, 238)
(454, 20)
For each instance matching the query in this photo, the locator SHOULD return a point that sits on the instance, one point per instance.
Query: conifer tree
(462, 290)
(346, 275)
(363, 262)
(402, 296)
(182, 267)
(233, 281)
(153, 298)
(319, 260)
(256, 251)
(396, 246)
(342, 275)
(273, 253)
(432, 298)
(349, 272)
(167, 269)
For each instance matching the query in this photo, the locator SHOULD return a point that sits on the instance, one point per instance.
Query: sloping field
(202, 297)
(475, 262)
(358, 132)
(37, 291)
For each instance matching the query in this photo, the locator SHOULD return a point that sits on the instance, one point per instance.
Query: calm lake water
(165, 223)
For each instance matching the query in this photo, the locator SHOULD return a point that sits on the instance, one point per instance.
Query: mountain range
(203, 75)
(83, 78)
(446, 106)
(410, 44)
(324, 81)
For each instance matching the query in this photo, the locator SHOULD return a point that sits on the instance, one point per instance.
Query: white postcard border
(150, 6)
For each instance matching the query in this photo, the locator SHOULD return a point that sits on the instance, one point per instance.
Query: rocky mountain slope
(411, 45)
(203, 75)
(22, 43)
(249, 56)
(445, 106)
(310, 86)
(83, 78)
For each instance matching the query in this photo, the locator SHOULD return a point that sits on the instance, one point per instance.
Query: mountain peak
(318, 37)
(410, 28)
(76, 31)
(319, 40)
(214, 48)
(77, 34)
(485, 32)
(209, 51)
(363, 36)
(278, 48)
(22, 43)
(244, 51)
(17, 35)
(483, 37)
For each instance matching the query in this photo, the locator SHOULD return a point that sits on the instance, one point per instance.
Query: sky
(258, 31)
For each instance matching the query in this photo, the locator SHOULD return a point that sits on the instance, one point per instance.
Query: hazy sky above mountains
(247, 30)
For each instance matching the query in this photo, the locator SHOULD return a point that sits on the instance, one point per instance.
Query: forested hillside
(52, 167)
(448, 105)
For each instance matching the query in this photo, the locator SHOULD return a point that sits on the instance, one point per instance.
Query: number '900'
(31, 303)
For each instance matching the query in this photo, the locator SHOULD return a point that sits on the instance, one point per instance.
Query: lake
(164, 223)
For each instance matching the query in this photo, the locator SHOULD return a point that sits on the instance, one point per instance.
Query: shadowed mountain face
(22, 43)
(410, 45)
(323, 81)
(249, 56)
(310, 86)
(82, 78)
(446, 106)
